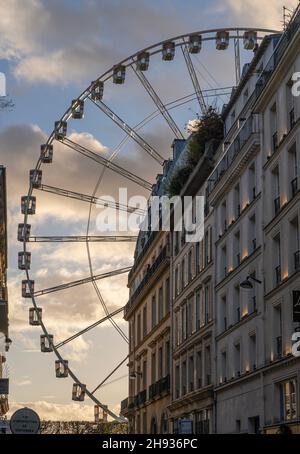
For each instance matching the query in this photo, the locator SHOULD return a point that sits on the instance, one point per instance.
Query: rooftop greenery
(209, 127)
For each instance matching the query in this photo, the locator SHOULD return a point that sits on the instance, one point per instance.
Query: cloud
(255, 12)
(24, 381)
(57, 411)
(57, 42)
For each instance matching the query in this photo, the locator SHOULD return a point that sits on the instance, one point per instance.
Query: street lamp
(247, 284)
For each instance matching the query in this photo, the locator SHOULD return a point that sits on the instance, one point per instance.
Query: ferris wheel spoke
(92, 199)
(89, 328)
(106, 163)
(111, 373)
(131, 132)
(81, 281)
(194, 77)
(158, 102)
(83, 239)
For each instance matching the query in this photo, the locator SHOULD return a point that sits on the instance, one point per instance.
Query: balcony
(125, 405)
(278, 275)
(277, 206)
(160, 388)
(142, 397)
(294, 185)
(153, 391)
(161, 260)
(292, 118)
(297, 260)
(164, 385)
(249, 129)
(274, 142)
(202, 427)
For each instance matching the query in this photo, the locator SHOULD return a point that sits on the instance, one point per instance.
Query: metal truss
(130, 131)
(106, 163)
(194, 78)
(158, 102)
(91, 199)
(89, 328)
(83, 239)
(111, 373)
(81, 281)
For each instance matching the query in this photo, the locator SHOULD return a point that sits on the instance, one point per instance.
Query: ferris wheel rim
(129, 61)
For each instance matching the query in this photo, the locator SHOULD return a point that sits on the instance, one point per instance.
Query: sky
(49, 52)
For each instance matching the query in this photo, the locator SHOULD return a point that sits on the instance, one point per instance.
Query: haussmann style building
(211, 322)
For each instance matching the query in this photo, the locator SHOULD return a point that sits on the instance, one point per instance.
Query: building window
(207, 303)
(273, 125)
(276, 190)
(295, 243)
(199, 369)
(153, 311)
(223, 271)
(191, 374)
(237, 359)
(182, 274)
(223, 217)
(237, 201)
(208, 365)
(293, 167)
(237, 304)
(139, 338)
(252, 233)
(252, 352)
(144, 374)
(223, 314)
(190, 318)
(198, 309)
(153, 367)
(176, 281)
(160, 363)
(290, 105)
(277, 329)
(224, 367)
(236, 249)
(177, 382)
(167, 296)
(145, 321)
(190, 265)
(168, 365)
(252, 182)
(288, 400)
(277, 259)
(254, 425)
(197, 252)
(183, 322)
(177, 331)
(160, 304)
(183, 378)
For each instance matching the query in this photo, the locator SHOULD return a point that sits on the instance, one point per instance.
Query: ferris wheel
(187, 48)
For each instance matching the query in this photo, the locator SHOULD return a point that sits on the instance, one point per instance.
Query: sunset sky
(50, 50)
